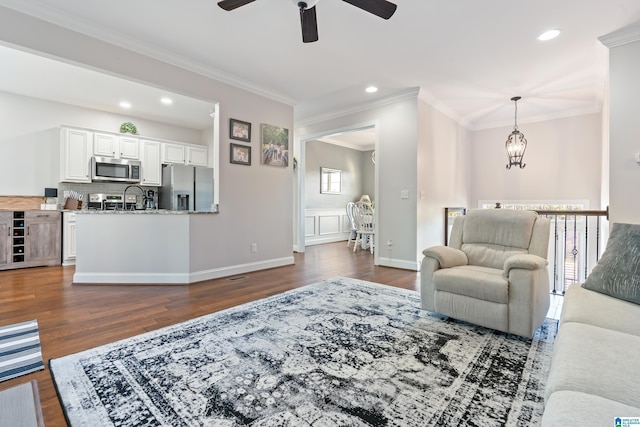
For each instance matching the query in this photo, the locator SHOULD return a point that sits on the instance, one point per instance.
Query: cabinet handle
(28, 229)
(9, 228)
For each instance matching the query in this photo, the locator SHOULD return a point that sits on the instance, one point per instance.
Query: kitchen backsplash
(98, 187)
(34, 202)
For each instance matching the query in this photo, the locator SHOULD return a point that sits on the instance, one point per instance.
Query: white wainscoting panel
(325, 226)
(309, 226)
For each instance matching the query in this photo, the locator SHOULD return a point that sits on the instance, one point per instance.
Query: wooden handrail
(604, 213)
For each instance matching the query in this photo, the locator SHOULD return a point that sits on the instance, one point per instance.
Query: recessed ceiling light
(125, 104)
(548, 35)
(166, 101)
(371, 89)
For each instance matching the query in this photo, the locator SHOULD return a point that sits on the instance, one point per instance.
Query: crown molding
(348, 145)
(595, 109)
(404, 95)
(53, 16)
(439, 106)
(622, 36)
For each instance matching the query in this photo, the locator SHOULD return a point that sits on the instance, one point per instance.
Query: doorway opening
(321, 214)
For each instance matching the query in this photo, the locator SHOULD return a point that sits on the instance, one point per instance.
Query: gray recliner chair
(493, 273)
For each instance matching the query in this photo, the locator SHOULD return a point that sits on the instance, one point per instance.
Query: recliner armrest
(446, 256)
(524, 262)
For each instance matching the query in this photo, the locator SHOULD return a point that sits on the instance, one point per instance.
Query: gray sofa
(595, 367)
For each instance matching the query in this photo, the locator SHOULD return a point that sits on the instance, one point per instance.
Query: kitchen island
(152, 247)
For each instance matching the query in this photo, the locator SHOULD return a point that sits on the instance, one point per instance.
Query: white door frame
(299, 243)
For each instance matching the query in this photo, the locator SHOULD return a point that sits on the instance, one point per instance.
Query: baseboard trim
(241, 269)
(131, 278)
(322, 240)
(178, 278)
(399, 263)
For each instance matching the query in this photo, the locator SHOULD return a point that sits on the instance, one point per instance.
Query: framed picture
(275, 146)
(239, 130)
(240, 154)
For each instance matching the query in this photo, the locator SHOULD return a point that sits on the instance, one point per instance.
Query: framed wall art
(240, 154)
(239, 130)
(275, 145)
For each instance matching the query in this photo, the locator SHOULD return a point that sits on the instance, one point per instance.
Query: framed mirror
(330, 181)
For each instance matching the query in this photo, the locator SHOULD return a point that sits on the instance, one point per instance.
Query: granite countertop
(142, 212)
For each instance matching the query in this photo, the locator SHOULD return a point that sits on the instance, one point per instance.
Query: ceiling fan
(382, 8)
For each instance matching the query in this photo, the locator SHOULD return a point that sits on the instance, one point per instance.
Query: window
(330, 181)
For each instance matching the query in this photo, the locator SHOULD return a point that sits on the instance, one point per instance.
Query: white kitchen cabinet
(197, 156)
(105, 144)
(68, 238)
(75, 155)
(151, 165)
(129, 148)
(173, 153)
(119, 147)
(184, 154)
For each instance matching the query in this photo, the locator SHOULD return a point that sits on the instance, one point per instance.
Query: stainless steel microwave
(115, 170)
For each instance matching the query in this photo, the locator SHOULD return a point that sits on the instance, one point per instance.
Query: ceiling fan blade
(382, 8)
(233, 4)
(309, 24)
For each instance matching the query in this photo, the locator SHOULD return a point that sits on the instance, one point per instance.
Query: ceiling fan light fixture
(549, 35)
(382, 8)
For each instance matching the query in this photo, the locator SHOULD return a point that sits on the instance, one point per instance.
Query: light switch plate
(404, 194)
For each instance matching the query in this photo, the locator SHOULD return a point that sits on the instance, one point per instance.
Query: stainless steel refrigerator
(187, 188)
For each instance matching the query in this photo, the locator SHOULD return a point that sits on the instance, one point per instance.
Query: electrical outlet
(404, 194)
(389, 243)
(254, 248)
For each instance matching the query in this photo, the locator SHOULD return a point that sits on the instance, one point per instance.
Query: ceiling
(469, 57)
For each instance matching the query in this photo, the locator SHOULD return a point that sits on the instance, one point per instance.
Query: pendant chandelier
(516, 143)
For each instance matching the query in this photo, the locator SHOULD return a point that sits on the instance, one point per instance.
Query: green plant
(128, 127)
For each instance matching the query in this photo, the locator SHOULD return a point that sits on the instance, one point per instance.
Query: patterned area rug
(342, 352)
(20, 351)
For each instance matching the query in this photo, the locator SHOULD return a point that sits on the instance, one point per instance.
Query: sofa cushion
(499, 227)
(482, 283)
(489, 255)
(593, 308)
(572, 408)
(446, 256)
(594, 360)
(617, 273)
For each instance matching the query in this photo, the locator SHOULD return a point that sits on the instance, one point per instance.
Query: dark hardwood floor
(73, 318)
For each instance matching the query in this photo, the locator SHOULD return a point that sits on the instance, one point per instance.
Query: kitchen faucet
(124, 196)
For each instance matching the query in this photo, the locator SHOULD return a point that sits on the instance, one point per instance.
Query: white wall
(624, 133)
(563, 162)
(368, 174)
(321, 154)
(443, 173)
(255, 201)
